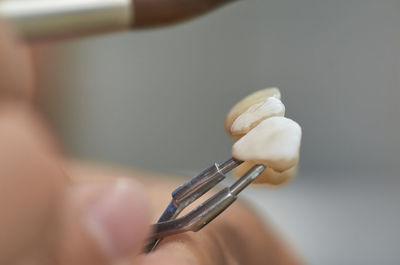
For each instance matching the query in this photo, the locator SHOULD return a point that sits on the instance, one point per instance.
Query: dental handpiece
(37, 20)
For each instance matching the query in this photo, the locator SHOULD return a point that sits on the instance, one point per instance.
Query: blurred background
(157, 100)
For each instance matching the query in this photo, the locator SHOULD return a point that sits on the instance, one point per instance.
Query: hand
(54, 211)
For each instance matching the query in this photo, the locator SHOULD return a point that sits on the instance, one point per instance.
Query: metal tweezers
(168, 224)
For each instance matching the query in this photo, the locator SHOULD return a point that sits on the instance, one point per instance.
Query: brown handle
(152, 13)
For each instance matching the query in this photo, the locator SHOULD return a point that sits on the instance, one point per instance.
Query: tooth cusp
(247, 102)
(255, 114)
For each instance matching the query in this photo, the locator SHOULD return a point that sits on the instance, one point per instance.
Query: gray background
(157, 100)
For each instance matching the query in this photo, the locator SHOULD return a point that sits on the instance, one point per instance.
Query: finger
(26, 116)
(201, 248)
(103, 223)
(30, 185)
(174, 254)
(235, 237)
(16, 68)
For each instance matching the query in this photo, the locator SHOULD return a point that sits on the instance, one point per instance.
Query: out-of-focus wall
(157, 99)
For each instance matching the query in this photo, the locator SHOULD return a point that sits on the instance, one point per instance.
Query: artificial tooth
(255, 114)
(247, 102)
(275, 142)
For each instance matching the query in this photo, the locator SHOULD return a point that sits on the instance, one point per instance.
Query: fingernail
(119, 219)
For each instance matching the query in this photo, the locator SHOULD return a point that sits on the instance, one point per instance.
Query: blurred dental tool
(36, 20)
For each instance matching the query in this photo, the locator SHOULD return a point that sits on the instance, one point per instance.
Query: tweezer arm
(206, 212)
(197, 187)
(196, 219)
(194, 189)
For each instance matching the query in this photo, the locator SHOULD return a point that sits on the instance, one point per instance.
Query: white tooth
(249, 119)
(275, 142)
(247, 102)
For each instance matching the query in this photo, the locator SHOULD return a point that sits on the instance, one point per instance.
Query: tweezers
(168, 224)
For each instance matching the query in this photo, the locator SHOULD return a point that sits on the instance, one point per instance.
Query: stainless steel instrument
(192, 190)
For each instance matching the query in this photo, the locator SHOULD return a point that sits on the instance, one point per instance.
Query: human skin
(59, 211)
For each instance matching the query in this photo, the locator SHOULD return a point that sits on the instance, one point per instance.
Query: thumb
(103, 223)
